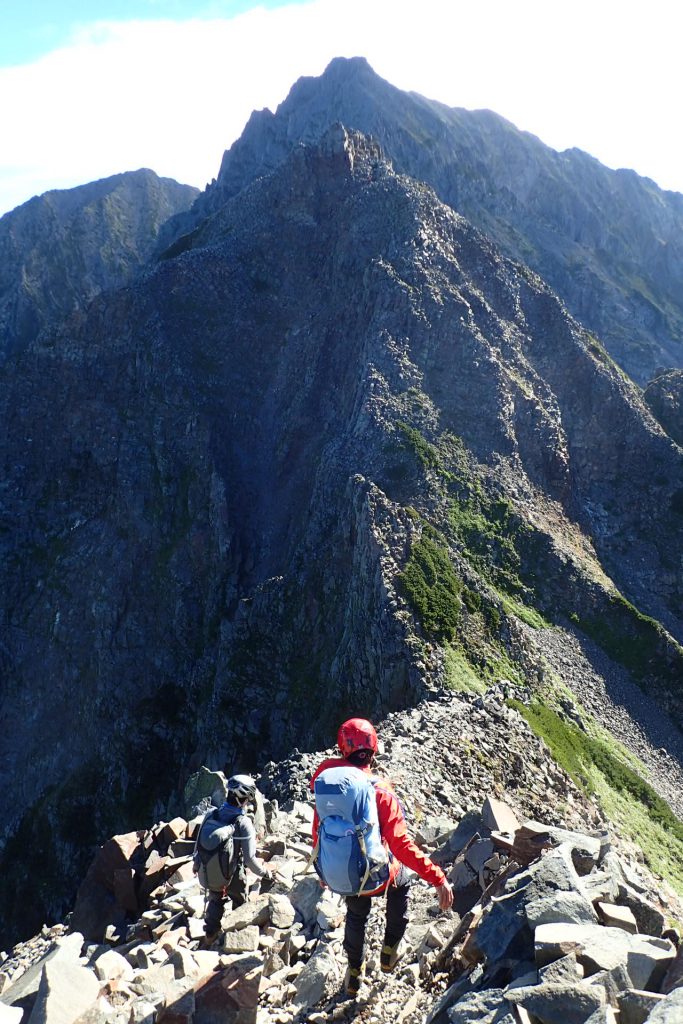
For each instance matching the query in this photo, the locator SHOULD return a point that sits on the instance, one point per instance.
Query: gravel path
(606, 690)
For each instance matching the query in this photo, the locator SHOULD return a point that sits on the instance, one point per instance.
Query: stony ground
(607, 692)
(282, 953)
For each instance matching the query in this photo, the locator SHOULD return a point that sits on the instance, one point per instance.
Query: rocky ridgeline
(550, 925)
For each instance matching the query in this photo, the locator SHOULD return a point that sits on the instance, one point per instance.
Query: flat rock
(558, 1003)
(617, 917)
(66, 991)
(499, 816)
(66, 949)
(599, 948)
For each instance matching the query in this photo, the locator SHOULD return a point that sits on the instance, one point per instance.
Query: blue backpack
(349, 856)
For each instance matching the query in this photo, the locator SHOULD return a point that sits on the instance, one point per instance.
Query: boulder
(255, 912)
(585, 850)
(486, 1007)
(566, 969)
(614, 916)
(320, 976)
(469, 825)
(66, 950)
(180, 1011)
(229, 996)
(97, 906)
(304, 896)
(111, 966)
(568, 907)
(66, 991)
(670, 1010)
(202, 788)
(243, 941)
(503, 931)
(635, 1006)
(674, 975)
(281, 911)
(598, 948)
(558, 1003)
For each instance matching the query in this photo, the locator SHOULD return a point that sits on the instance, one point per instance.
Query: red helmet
(356, 734)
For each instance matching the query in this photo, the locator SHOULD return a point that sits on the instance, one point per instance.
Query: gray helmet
(240, 788)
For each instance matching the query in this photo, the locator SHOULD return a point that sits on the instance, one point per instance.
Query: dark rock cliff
(281, 476)
(62, 248)
(608, 242)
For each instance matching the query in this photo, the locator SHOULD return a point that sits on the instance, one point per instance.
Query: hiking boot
(390, 956)
(353, 979)
(210, 939)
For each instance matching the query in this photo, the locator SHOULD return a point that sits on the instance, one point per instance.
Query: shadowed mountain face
(281, 475)
(608, 242)
(60, 249)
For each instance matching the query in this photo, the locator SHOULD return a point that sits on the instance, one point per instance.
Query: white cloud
(172, 96)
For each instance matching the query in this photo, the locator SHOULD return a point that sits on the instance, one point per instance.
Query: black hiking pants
(358, 911)
(236, 892)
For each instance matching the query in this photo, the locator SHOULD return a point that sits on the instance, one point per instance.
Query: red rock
(231, 995)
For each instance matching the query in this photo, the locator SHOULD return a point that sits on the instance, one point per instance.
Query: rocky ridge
(60, 249)
(448, 448)
(608, 242)
(552, 922)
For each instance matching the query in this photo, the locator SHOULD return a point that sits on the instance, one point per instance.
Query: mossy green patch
(413, 440)
(628, 636)
(631, 802)
(524, 612)
(460, 675)
(430, 584)
(491, 535)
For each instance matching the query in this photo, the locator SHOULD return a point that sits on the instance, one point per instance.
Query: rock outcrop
(59, 250)
(664, 398)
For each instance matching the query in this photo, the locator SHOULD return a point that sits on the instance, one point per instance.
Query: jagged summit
(608, 242)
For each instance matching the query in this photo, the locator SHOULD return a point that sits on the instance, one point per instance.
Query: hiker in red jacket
(357, 741)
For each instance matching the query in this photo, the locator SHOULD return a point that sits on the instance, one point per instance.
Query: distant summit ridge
(610, 243)
(60, 249)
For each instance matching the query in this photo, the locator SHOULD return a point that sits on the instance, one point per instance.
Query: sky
(90, 88)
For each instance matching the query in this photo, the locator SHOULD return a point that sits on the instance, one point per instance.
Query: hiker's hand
(445, 892)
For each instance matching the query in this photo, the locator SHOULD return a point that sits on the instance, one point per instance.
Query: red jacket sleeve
(394, 831)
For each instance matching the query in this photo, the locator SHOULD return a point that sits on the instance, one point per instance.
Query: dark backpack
(215, 852)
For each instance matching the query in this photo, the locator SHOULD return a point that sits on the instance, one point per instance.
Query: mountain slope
(608, 242)
(60, 249)
(333, 452)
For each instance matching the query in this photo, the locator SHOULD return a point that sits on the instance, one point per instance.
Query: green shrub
(431, 587)
(624, 795)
